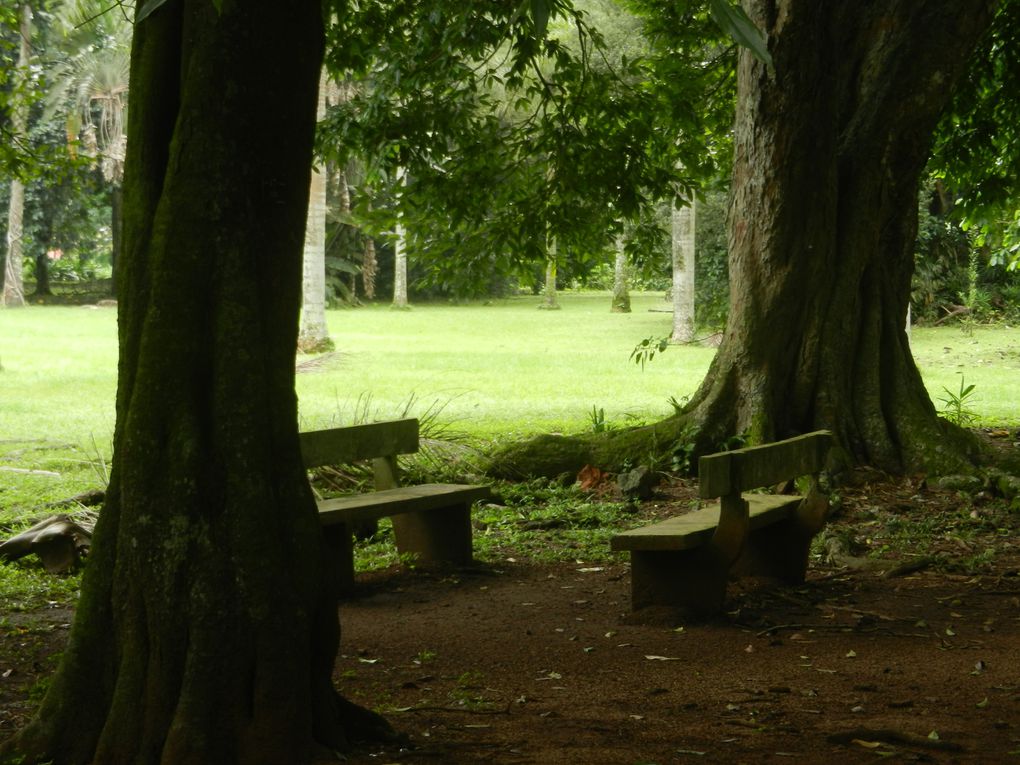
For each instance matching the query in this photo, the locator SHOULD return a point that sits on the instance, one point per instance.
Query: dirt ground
(893, 655)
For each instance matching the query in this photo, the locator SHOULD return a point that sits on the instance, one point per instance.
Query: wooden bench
(686, 561)
(431, 521)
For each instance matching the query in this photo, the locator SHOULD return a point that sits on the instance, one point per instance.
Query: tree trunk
(314, 334)
(14, 287)
(828, 153)
(549, 300)
(400, 255)
(207, 626)
(42, 274)
(369, 267)
(621, 296)
(684, 226)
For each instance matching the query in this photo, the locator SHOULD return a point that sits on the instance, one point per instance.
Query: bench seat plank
(404, 499)
(685, 532)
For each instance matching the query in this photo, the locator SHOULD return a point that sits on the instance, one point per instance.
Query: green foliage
(977, 151)
(25, 585)
(734, 21)
(645, 350)
(512, 137)
(953, 269)
(547, 521)
(712, 280)
(957, 407)
(597, 418)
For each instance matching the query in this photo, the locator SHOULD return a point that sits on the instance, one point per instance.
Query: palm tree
(89, 84)
(400, 250)
(621, 295)
(13, 286)
(684, 225)
(314, 335)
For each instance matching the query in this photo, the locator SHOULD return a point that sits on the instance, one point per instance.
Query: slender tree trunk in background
(400, 268)
(400, 254)
(207, 626)
(314, 334)
(684, 227)
(828, 153)
(14, 288)
(342, 191)
(369, 268)
(621, 296)
(42, 274)
(549, 302)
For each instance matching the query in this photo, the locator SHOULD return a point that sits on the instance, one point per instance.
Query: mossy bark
(829, 149)
(828, 153)
(207, 627)
(556, 456)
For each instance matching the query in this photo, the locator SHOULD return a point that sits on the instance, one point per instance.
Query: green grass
(502, 368)
(495, 371)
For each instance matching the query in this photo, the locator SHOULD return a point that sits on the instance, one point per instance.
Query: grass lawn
(494, 371)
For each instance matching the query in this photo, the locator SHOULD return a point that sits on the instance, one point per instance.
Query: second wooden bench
(431, 521)
(686, 561)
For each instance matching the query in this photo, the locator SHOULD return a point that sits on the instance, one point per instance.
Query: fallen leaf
(982, 704)
(662, 658)
(851, 654)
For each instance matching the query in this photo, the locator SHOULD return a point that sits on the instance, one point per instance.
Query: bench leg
(689, 579)
(443, 534)
(778, 551)
(340, 556)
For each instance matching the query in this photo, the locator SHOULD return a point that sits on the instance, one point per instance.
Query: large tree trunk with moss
(829, 149)
(207, 626)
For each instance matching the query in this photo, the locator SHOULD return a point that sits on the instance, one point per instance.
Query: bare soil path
(516, 663)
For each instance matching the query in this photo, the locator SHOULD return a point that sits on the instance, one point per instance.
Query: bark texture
(829, 149)
(207, 626)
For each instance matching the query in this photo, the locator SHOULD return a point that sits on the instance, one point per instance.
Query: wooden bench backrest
(732, 472)
(338, 446)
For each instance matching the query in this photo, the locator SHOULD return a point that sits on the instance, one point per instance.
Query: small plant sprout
(597, 418)
(956, 407)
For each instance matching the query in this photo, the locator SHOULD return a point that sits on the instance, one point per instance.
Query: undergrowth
(538, 521)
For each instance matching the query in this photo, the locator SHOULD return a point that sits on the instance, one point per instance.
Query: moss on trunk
(556, 456)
